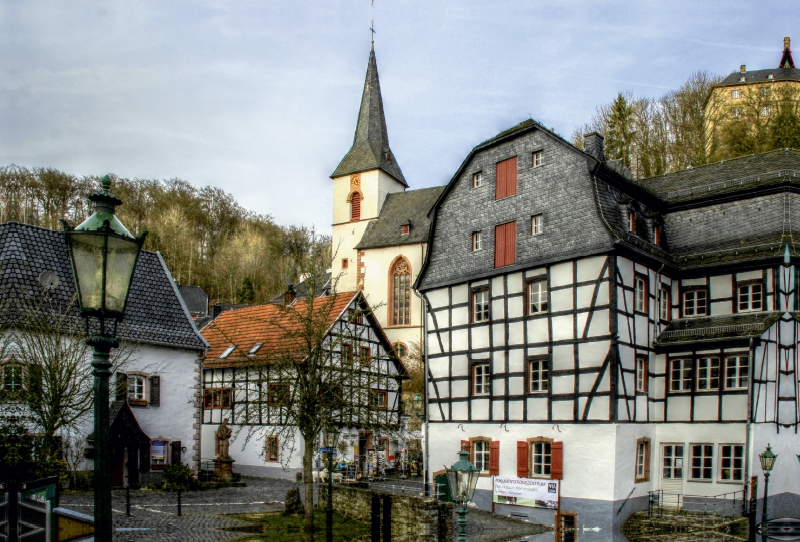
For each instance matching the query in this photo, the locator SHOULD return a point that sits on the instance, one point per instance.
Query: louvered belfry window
(506, 179)
(401, 292)
(505, 244)
(355, 206)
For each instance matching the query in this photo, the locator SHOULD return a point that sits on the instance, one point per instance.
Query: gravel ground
(154, 515)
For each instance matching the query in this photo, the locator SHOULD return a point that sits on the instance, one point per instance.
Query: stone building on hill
(618, 336)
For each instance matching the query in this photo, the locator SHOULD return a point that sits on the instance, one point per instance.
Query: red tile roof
(272, 324)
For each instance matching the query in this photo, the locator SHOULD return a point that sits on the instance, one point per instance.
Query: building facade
(619, 336)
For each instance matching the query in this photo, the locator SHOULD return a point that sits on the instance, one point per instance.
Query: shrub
(179, 477)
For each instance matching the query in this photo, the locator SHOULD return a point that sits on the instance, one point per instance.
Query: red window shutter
(506, 178)
(494, 457)
(505, 244)
(355, 206)
(557, 461)
(522, 459)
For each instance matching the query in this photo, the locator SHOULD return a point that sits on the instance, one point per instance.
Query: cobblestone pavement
(154, 514)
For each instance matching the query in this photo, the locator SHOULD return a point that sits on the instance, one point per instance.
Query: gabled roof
(272, 326)
(400, 208)
(370, 148)
(155, 312)
(195, 298)
(760, 76)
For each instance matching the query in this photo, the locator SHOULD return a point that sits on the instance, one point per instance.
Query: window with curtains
(355, 206)
(506, 178)
(505, 244)
(400, 295)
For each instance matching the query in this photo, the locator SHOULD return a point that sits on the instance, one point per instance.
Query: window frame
(541, 283)
(17, 379)
(537, 224)
(486, 313)
(631, 221)
(694, 291)
(476, 241)
(365, 355)
(732, 467)
(267, 456)
(673, 466)
(686, 365)
(742, 381)
(749, 285)
(473, 452)
(642, 461)
(736, 94)
(347, 354)
(477, 179)
(485, 368)
(274, 398)
(537, 158)
(545, 465)
(400, 296)
(664, 308)
(642, 375)
(144, 400)
(543, 375)
(705, 446)
(374, 392)
(215, 398)
(639, 278)
(704, 379)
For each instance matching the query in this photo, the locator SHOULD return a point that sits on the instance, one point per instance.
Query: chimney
(593, 145)
(743, 68)
(787, 41)
(289, 295)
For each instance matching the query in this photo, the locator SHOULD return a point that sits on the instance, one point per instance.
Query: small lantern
(330, 438)
(463, 477)
(104, 255)
(767, 459)
(418, 406)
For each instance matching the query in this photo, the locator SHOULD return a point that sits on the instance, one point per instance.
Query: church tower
(362, 180)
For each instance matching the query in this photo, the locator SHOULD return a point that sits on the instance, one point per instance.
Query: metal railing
(726, 505)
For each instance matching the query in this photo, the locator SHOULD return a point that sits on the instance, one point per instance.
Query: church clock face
(355, 181)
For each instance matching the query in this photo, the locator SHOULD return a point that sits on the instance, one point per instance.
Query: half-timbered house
(244, 385)
(620, 336)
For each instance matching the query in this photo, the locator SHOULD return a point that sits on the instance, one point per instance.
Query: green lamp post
(103, 255)
(330, 440)
(418, 406)
(767, 462)
(462, 478)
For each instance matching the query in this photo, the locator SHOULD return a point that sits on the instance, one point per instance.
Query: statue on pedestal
(223, 463)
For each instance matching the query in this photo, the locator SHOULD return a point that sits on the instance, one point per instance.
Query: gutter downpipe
(424, 343)
(749, 425)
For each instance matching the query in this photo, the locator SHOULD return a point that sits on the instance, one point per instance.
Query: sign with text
(526, 492)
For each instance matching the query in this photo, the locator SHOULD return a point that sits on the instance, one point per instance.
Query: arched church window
(355, 206)
(400, 294)
(12, 377)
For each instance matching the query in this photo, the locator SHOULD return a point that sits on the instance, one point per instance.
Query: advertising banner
(526, 492)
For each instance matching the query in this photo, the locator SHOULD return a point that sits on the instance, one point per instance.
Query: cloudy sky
(261, 97)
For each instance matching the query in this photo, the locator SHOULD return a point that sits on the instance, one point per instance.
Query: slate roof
(155, 312)
(195, 298)
(410, 207)
(322, 285)
(761, 76)
(370, 148)
(688, 331)
(728, 176)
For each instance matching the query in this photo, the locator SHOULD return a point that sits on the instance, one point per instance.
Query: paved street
(154, 515)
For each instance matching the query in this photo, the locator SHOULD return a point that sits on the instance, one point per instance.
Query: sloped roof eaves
(687, 331)
(761, 76)
(409, 207)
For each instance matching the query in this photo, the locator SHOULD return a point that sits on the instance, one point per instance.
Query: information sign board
(526, 492)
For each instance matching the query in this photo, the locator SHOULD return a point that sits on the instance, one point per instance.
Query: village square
(593, 337)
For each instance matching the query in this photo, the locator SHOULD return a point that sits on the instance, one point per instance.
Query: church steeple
(786, 59)
(370, 148)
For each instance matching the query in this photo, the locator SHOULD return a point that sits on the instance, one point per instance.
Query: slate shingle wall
(561, 189)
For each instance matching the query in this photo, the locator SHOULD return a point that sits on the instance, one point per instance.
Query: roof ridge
(695, 168)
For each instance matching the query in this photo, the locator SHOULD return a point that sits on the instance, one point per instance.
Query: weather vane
(372, 26)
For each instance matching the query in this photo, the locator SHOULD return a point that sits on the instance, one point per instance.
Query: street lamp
(418, 407)
(103, 255)
(462, 478)
(330, 439)
(767, 462)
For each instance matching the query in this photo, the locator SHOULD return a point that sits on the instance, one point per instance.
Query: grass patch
(275, 527)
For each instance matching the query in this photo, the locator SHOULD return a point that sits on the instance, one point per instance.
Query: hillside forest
(205, 236)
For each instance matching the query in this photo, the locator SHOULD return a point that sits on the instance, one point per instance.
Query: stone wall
(413, 518)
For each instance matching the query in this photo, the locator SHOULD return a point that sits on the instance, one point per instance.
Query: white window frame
(538, 375)
(672, 465)
(750, 297)
(537, 295)
(663, 303)
(765, 111)
(731, 460)
(537, 159)
(736, 94)
(684, 370)
(642, 448)
(133, 390)
(640, 293)
(737, 372)
(692, 298)
(480, 454)
(477, 179)
(641, 374)
(708, 374)
(477, 241)
(537, 224)
(736, 112)
(481, 380)
(227, 352)
(480, 306)
(541, 452)
(706, 459)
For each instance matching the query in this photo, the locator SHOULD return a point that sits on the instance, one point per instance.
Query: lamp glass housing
(767, 459)
(417, 404)
(330, 438)
(462, 477)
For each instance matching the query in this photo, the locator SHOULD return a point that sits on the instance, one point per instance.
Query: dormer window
(770, 77)
(743, 79)
(255, 349)
(404, 229)
(657, 235)
(227, 351)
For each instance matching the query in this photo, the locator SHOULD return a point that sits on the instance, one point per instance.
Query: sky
(260, 98)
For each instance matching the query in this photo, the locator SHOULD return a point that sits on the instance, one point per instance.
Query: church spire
(786, 59)
(370, 148)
